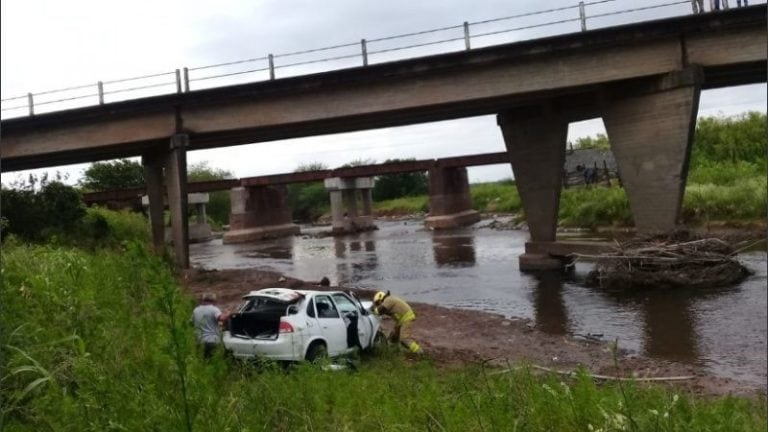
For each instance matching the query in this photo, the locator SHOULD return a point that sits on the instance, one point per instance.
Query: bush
(590, 207)
(309, 201)
(33, 215)
(496, 197)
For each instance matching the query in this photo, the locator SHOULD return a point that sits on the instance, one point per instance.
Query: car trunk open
(259, 318)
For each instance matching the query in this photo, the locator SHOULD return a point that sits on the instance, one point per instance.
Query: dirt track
(454, 336)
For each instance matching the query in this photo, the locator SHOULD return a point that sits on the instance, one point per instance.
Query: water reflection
(669, 320)
(356, 258)
(454, 251)
(551, 315)
(282, 249)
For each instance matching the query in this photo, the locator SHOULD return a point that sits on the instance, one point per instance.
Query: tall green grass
(100, 341)
(405, 205)
(745, 200)
(495, 197)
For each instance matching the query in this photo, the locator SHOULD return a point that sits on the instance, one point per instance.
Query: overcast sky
(53, 44)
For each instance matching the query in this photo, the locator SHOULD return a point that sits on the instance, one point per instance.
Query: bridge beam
(258, 213)
(450, 204)
(535, 138)
(651, 136)
(345, 194)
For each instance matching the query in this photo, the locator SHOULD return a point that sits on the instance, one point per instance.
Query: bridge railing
(580, 16)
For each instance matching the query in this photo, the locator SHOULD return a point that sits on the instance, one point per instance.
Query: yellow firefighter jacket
(397, 309)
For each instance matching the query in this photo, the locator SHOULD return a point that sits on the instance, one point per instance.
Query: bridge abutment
(450, 204)
(651, 136)
(535, 141)
(259, 212)
(345, 193)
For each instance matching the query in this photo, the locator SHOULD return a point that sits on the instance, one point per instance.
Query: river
(721, 329)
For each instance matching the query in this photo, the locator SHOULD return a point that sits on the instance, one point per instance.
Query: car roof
(286, 294)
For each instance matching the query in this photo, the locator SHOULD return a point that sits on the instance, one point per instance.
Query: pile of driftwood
(666, 263)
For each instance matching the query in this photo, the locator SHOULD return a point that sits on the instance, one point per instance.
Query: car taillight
(285, 327)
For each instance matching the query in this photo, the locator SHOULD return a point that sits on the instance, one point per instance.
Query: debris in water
(664, 263)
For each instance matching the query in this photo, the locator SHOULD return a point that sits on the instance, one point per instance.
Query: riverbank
(455, 337)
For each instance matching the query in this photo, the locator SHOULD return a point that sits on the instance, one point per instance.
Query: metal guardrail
(180, 80)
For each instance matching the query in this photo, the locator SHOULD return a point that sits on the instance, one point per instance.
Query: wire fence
(583, 16)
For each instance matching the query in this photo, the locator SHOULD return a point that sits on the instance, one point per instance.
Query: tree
(308, 201)
(118, 174)
(731, 139)
(391, 186)
(597, 142)
(34, 215)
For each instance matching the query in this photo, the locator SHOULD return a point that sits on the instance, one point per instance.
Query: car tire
(379, 341)
(317, 352)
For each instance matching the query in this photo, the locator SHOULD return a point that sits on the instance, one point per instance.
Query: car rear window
(262, 304)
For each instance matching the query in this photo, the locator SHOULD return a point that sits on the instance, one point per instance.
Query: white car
(292, 325)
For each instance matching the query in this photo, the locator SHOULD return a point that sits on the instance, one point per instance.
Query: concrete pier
(535, 141)
(450, 204)
(198, 230)
(259, 212)
(347, 217)
(651, 136)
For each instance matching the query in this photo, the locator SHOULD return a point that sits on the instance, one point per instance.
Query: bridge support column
(450, 204)
(259, 212)
(176, 185)
(535, 142)
(153, 178)
(651, 138)
(345, 193)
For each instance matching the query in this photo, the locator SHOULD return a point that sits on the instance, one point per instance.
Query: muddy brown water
(723, 330)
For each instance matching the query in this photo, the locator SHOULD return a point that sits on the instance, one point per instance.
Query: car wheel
(317, 352)
(379, 340)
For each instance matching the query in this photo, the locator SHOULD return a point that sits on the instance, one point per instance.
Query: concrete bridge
(259, 205)
(643, 79)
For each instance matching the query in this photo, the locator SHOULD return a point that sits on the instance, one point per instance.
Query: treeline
(41, 209)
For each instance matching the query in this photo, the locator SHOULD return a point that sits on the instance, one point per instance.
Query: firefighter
(395, 307)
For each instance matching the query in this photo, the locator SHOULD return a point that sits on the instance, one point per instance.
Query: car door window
(345, 304)
(325, 307)
(311, 308)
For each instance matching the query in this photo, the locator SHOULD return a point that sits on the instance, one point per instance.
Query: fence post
(178, 81)
(100, 85)
(186, 80)
(365, 52)
(582, 16)
(271, 67)
(466, 36)
(31, 104)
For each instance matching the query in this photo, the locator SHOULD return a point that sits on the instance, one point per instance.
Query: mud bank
(453, 337)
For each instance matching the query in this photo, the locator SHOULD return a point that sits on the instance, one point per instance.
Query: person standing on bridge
(401, 312)
(206, 318)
